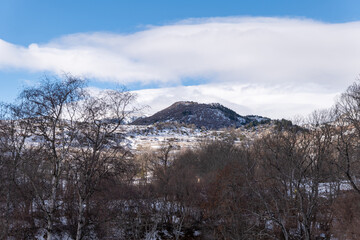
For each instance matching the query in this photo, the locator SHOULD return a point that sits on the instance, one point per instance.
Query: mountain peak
(210, 116)
(183, 103)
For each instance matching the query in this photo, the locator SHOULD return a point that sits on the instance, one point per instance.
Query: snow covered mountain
(210, 116)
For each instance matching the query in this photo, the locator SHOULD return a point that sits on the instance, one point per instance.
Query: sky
(273, 58)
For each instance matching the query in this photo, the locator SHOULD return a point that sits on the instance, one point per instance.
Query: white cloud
(314, 60)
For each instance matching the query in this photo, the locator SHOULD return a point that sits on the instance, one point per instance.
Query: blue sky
(24, 22)
(54, 26)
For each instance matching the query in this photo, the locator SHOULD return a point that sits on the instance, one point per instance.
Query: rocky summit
(210, 116)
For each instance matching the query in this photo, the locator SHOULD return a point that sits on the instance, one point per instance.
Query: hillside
(210, 116)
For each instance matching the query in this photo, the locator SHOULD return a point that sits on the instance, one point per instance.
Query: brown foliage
(346, 222)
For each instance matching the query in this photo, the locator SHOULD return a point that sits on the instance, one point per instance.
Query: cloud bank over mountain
(271, 55)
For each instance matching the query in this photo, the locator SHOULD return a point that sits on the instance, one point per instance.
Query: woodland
(64, 174)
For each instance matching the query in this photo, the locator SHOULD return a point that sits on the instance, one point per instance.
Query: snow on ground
(143, 137)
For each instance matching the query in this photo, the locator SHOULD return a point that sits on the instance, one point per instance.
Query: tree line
(65, 174)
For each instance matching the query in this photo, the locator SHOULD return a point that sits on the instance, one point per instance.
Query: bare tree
(47, 105)
(275, 178)
(98, 153)
(347, 112)
(294, 167)
(14, 132)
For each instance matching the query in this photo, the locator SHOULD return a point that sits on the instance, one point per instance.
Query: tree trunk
(5, 233)
(49, 229)
(52, 202)
(80, 222)
(306, 231)
(284, 231)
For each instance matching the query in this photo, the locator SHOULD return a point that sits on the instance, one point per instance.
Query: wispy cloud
(305, 56)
